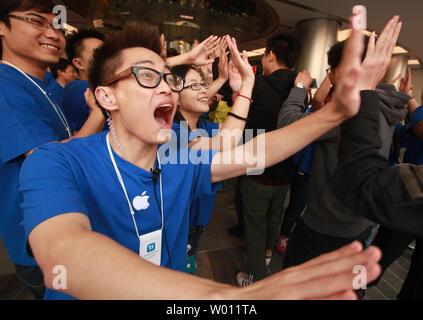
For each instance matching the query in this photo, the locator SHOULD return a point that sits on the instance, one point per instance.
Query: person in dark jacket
(327, 223)
(389, 195)
(263, 194)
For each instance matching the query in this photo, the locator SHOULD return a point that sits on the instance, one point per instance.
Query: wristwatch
(299, 85)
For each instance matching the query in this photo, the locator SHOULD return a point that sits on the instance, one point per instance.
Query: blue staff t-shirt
(56, 90)
(79, 177)
(408, 140)
(27, 121)
(414, 146)
(202, 208)
(74, 104)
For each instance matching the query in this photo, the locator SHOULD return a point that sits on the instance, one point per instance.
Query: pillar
(317, 36)
(396, 70)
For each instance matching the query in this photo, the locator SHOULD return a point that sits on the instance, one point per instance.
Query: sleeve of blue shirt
(202, 184)
(415, 117)
(48, 186)
(21, 127)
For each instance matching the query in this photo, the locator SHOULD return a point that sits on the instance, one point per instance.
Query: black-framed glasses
(197, 86)
(39, 24)
(149, 78)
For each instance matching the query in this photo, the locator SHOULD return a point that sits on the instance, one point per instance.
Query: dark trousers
(393, 243)
(238, 203)
(297, 202)
(262, 210)
(33, 278)
(306, 244)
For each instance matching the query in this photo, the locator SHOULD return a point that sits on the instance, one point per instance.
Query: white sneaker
(244, 279)
(412, 245)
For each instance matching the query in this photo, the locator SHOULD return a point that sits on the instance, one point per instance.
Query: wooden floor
(222, 256)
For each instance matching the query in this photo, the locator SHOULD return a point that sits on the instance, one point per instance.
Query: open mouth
(163, 115)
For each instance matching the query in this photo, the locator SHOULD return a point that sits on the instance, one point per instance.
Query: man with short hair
(263, 195)
(30, 116)
(115, 211)
(80, 47)
(64, 73)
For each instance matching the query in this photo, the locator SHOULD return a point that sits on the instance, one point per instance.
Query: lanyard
(56, 108)
(131, 210)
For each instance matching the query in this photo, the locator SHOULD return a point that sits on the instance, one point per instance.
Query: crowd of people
(111, 160)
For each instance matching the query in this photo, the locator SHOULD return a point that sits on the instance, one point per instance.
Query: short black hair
(7, 6)
(74, 42)
(335, 53)
(107, 59)
(286, 47)
(182, 70)
(62, 65)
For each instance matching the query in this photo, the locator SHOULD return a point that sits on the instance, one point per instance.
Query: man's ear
(2, 29)
(77, 64)
(271, 56)
(106, 98)
(59, 73)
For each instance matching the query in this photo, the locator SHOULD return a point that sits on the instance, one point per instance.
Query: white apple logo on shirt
(141, 202)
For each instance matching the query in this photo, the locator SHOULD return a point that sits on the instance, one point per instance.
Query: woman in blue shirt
(193, 103)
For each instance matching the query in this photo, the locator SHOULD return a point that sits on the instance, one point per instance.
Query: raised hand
(346, 97)
(90, 99)
(240, 61)
(378, 55)
(406, 85)
(199, 55)
(235, 79)
(305, 78)
(223, 60)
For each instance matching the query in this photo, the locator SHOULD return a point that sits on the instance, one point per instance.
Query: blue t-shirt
(56, 90)
(79, 177)
(408, 140)
(202, 208)
(304, 159)
(414, 146)
(27, 121)
(74, 104)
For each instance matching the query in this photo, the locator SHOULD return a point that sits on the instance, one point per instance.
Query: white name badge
(151, 247)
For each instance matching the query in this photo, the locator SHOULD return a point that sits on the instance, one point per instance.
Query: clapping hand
(240, 70)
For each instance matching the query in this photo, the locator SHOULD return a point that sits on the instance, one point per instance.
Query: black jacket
(268, 96)
(367, 184)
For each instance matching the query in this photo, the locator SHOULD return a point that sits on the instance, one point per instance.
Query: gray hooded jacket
(324, 212)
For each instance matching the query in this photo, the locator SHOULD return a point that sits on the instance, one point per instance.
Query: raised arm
(232, 129)
(197, 56)
(390, 196)
(273, 147)
(222, 69)
(294, 107)
(93, 124)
